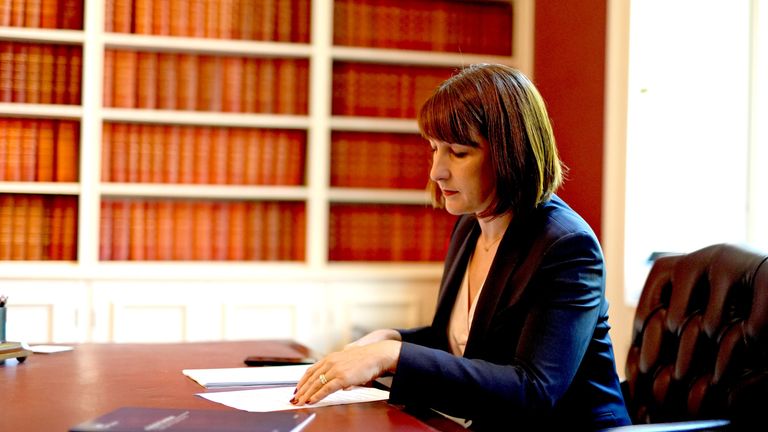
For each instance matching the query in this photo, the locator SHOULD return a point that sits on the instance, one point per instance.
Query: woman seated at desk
(520, 334)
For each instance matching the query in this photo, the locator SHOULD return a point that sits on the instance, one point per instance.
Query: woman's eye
(459, 154)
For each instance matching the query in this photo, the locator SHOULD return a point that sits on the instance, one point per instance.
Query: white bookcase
(318, 302)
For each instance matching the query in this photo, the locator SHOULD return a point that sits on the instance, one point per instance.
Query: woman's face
(464, 174)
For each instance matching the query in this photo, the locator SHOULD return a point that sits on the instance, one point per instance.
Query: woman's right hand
(376, 336)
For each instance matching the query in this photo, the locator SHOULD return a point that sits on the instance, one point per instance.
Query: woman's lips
(448, 193)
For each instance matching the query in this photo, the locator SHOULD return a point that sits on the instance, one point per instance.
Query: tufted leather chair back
(700, 339)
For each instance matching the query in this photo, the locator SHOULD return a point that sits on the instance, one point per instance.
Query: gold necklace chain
(488, 247)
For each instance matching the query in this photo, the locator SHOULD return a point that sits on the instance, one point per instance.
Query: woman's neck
(492, 229)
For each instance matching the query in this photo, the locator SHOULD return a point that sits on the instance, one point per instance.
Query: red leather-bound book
(124, 81)
(151, 231)
(142, 15)
(187, 77)
(121, 229)
(220, 230)
(187, 155)
(202, 230)
(74, 75)
(67, 149)
(147, 85)
(6, 71)
(106, 219)
(219, 155)
(158, 167)
(165, 230)
(35, 230)
(236, 156)
(145, 153)
(179, 10)
(203, 153)
(172, 157)
(237, 233)
(45, 150)
(123, 18)
(137, 230)
(161, 17)
(167, 77)
(29, 136)
(233, 84)
(19, 233)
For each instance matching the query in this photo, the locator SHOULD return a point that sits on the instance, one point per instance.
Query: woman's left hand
(343, 369)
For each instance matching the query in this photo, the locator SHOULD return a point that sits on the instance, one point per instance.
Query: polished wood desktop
(52, 392)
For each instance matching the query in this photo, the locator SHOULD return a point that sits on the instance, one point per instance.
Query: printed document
(277, 398)
(247, 376)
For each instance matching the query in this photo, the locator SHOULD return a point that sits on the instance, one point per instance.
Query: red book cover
(255, 220)
(20, 62)
(133, 151)
(301, 21)
(107, 84)
(266, 86)
(55, 246)
(286, 86)
(186, 90)
(106, 151)
(197, 10)
(6, 71)
(123, 20)
(13, 150)
(161, 18)
(233, 84)
(121, 230)
(19, 235)
(3, 147)
(46, 74)
(34, 66)
(220, 156)
(211, 18)
(179, 10)
(29, 137)
(124, 81)
(6, 225)
(182, 230)
(109, 15)
(105, 231)
(136, 230)
(285, 231)
(299, 233)
(166, 80)
(147, 85)
(210, 87)
(5, 14)
(118, 161)
(302, 87)
(283, 20)
(69, 229)
(145, 153)
(158, 168)
(202, 244)
(252, 163)
(142, 16)
(272, 238)
(187, 155)
(220, 230)
(237, 233)
(172, 146)
(296, 158)
(250, 97)
(60, 70)
(267, 22)
(236, 157)
(71, 14)
(203, 153)
(267, 158)
(226, 18)
(17, 13)
(150, 230)
(74, 75)
(67, 144)
(282, 147)
(165, 230)
(247, 24)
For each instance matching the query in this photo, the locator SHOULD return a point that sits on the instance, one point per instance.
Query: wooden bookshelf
(151, 143)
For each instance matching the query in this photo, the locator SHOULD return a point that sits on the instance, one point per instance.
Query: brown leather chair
(700, 342)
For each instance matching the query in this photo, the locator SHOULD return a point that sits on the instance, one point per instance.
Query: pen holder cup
(2, 324)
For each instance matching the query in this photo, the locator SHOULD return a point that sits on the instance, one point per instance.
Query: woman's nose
(439, 170)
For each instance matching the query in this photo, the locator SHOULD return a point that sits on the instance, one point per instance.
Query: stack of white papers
(248, 376)
(275, 384)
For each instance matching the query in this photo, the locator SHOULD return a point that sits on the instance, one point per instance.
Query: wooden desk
(52, 392)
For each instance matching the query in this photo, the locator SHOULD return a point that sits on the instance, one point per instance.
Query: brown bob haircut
(502, 106)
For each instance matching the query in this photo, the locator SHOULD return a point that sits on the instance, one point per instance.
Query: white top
(461, 317)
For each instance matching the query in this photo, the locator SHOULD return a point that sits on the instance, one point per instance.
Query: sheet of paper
(277, 398)
(49, 349)
(247, 376)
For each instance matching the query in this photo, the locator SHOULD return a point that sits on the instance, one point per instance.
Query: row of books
(139, 79)
(379, 160)
(41, 150)
(40, 73)
(385, 232)
(197, 230)
(50, 14)
(481, 27)
(202, 155)
(38, 227)
(266, 20)
(383, 90)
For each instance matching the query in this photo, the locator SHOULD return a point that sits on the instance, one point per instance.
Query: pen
(3, 299)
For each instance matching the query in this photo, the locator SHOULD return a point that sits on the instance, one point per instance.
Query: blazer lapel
(454, 272)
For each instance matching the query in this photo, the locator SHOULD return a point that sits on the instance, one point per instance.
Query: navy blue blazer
(538, 352)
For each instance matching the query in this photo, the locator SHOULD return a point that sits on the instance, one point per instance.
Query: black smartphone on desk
(277, 361)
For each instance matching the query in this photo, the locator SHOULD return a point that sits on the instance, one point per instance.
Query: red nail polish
(293, 401)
